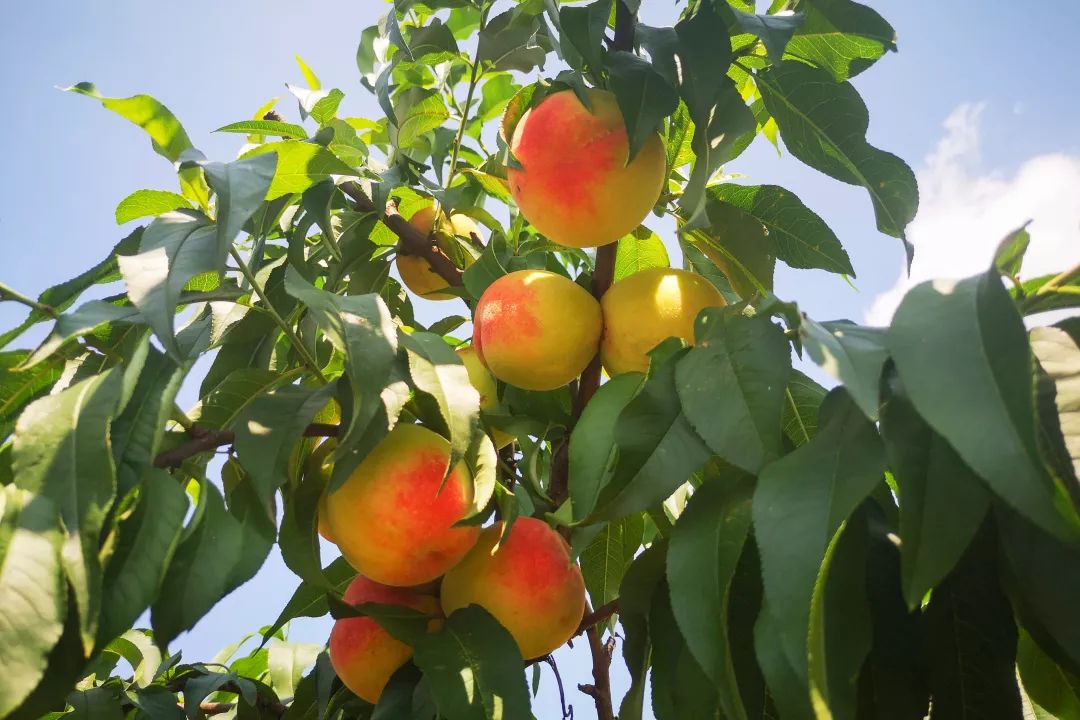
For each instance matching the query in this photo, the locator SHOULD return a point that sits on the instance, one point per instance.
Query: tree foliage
(905, 543)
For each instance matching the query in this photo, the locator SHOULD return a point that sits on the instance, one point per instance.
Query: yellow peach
(528, 583)
(393, 518)
(317, 467)
(535, 329)
(415, 271)
(364, 655)
(482, 380)
(574, 184)
(648, 307)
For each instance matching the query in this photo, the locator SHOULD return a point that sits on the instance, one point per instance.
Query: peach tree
(905, 544)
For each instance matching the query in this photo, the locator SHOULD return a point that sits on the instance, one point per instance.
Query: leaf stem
(259, 290)
(8, 293)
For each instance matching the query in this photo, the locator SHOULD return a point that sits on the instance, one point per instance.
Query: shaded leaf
(802, 398)
(853, 354)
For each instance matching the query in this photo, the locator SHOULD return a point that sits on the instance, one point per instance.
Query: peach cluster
(395, 521)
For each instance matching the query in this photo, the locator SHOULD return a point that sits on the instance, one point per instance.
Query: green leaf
(240, 187)
(167, 135)
(680, 688)
(1009, 256)
(961, 352)
(800, 503)
(149, 203)
(823, 123)
(99, 703)
(583, 27)
(83, 321)
(605, 560)
(511, 41)
(971, 641)
(208, 564)
(473, 668)
(644, 576)
(775, 31)
(20, 385)
(32, 591)
(739, 246)
(841, 36)
(266, 127)
(61, 296)
(802, 398)
(1044, 584)
(645, 97)
(309, 599)
(640, 250)
(145, 544)
(61, 452)
(309, 75)
(418, 112)
(658, 450)
(137, 647)
(437, 371)
(853, 354)
(269, 427)
(1051, 687)
(799, 236)
(942, 503)
(175, 248)
(703, 555)
(222, 405)
(731, 385)
(1058, 386)
(287, 663)
(300, 165)
(592, 445)
(432, 39)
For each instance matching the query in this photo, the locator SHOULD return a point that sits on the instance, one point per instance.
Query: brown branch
(597, 616)
(410, 240)
(600, 690)
(203, 440)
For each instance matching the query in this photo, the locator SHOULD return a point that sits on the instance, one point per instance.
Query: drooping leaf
(800, 503)
(739, 246)
(20, 386)
(853, 354)
(473, 668)
(511, 41)
(798, 235)
(309, 599)
(645, 97)
(942, 503)
(149, 203)
(680, 688)
(32, 590)
(220, 408)
(731, 386)
(605, 560)
(1058, 355)
(86, 319)
(240, 188)
(703, 556)
(961, 351)
(824, 123)
(583, 27)
(1052, 688)
(61, 452)
(643, 579)
(287, 662)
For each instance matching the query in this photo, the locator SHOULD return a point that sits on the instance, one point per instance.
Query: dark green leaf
(731, 385)
(473, 668)
(511, 41)
(149, 203)
(605, 560)
(240, 187)
(823, 123)
(799, 236)
(32, 591)
(1052, 688)
(432, 39)
(641, 582)
(309, 599)
(62, 453)
(802, 398)
(83, 321)
(942, 503)
(801, 502)
(841, 36)
(680, 689)
(99, 703)
(775, 31)
(19, 386)
(961, 352)
(737, 244)
(972, 641)
(220, 407)
(853, 354)
(703, 555)
(645, 98)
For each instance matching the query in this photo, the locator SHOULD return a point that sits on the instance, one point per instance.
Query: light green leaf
(841, 36)
(640, 250)
(1048, 685)
(300, 165)
(285, 130)
(149, 203)
(418, 112)
(288, 662)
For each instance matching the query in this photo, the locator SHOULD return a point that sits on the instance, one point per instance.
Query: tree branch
(600, 690)
(410, 240)
(203, 440)
(597, 616)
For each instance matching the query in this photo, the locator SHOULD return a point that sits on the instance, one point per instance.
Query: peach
(391, 520)
(318, 466)
(364, 655)
(482, 380)
(648, 307)
(535, 329)
(415, 271)
(528, 583)
(574, 184)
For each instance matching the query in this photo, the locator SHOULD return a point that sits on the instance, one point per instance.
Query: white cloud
(965, 212)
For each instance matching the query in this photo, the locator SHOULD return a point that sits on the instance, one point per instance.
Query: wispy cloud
(965, 211)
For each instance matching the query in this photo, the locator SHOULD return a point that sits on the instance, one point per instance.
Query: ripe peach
(390, 518)
(364, 655)
(574, 185)
(481, 379)
(535, 329)
(528, 584)
(415, 271)
(318, 465)
(647, 307)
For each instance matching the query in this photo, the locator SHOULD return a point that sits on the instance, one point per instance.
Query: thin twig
(9, 293)
(597, 616)
(474, 77)
(567, 710)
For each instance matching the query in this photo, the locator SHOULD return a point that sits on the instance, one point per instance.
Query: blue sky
(1003, 77)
